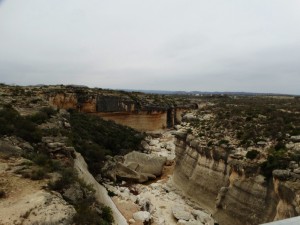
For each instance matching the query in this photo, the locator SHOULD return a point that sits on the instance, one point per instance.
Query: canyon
(223, 160)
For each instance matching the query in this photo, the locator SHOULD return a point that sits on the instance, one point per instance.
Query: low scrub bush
(12, 123)
(252, 154)
(43, 115)
(276, 160)
(38, 174)
(86, 214)
(68, 176)
(2, 193)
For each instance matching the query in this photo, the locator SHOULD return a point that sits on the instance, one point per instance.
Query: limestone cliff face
(63, 100)
(120, 108)
(100, 191)
(288, 195)
(233, 190)
(142, 121)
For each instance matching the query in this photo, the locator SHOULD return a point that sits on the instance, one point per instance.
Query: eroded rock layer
(233, 189)
(138, 111)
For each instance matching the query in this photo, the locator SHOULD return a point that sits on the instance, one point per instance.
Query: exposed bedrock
(233, 190)
(122, 109)
(135, 166)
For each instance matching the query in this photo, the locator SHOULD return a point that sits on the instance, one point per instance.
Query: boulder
(154, 142)
(293, 165)
(295, 138)
(297, 171)
(123, 172)
(138, 167)
(54, 145)
(144, 163)
(180, 213)
(181, 133)
(202, 217)
(261, 143)
(181, 222)
(282, 174)
(145, 145)
(131, 221)
(177, 127)
(170, 147)
(189, 117)
(143, 216)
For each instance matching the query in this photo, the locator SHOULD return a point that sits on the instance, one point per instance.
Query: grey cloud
(171, 44)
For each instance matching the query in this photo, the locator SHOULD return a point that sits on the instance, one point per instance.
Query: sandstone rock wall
(120, 109)
(233, 190)
(142, 121)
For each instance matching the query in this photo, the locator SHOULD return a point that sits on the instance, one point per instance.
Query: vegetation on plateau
(252, 122)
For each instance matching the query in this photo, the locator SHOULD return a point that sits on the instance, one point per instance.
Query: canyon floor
(159, 200)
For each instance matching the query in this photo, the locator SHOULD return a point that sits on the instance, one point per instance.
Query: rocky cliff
(100, 191)
(233, 190)
(137, 110)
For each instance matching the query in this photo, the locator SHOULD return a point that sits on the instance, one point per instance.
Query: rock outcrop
(233, 189)
(135, 166)
(135, 110)
(39, 207)
(100, 191)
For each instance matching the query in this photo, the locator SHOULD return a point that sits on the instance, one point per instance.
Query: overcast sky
(205, 45)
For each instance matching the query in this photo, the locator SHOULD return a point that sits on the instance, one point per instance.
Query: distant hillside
(205, 93)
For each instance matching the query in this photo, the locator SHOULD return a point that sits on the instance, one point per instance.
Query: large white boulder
(143, 216)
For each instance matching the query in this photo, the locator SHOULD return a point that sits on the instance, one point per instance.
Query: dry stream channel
(158, 202)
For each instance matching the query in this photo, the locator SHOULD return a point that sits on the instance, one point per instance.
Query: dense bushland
(95, 138)
(12, 123)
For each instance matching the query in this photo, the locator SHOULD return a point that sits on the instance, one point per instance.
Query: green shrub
(12, 123)
(2, 193)
(107, 214)
(273, 162)
(40, 159)
(68, 176)
(38, 174)
(223, 141)
(43, 115)
(85, 214)
(39, 117)
(210, 143)
(252, 154)
(111, 193)
(279, 146)
(49, 111)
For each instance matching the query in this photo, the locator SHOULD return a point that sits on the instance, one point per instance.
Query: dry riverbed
(158, 202)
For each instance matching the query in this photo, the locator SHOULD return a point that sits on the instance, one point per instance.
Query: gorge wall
(121, 108)
(233, 190)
